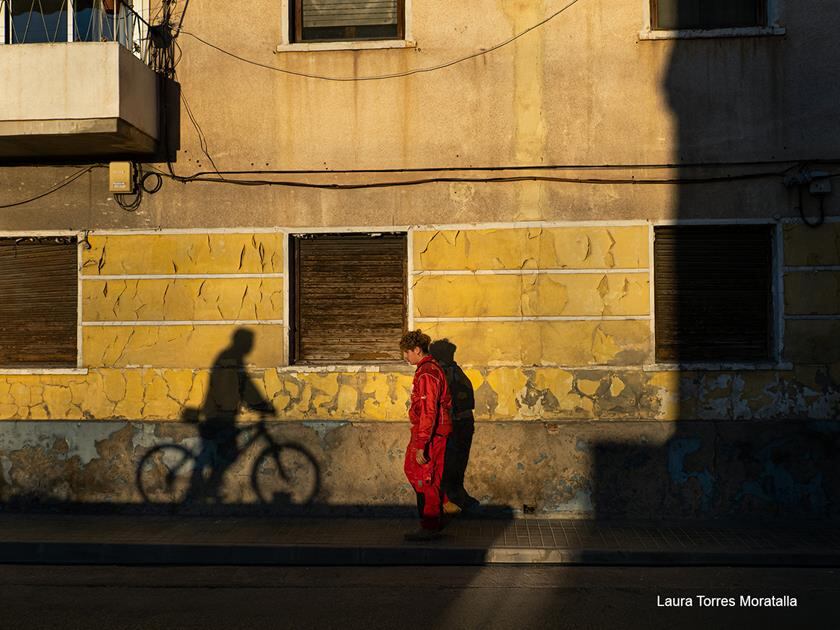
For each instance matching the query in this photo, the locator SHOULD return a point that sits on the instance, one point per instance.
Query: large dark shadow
(733, 100)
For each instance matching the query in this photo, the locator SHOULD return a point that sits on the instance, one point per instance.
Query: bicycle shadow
(192, 475)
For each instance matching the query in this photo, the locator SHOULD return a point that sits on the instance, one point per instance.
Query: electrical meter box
(121, 178)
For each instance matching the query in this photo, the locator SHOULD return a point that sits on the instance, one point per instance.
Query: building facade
(618, 215)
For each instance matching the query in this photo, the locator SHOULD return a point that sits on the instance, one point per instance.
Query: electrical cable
(481, 180)
(134, 200)
(202, 139)
(812, 224)
(157, 185)
(525, 167)
(183, 15)
(394, 75)
(131, 201)
(54, 188)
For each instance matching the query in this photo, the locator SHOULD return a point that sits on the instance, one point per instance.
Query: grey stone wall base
(593, 469)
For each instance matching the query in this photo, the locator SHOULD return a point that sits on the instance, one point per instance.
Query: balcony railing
(55, 21)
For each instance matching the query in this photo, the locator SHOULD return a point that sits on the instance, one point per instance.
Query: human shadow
(230, 390)
(284, 473)
(463, 424)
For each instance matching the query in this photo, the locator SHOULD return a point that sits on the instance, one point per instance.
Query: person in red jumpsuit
(431, 424)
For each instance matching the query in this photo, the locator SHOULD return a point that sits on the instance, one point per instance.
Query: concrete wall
(649, 470)
(544, 286)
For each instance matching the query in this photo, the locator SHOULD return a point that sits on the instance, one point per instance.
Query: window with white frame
(39, 303)
(348, 296)
(686, 15)
(713, 293)
(346, 20)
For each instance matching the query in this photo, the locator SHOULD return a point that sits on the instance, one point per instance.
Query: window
(39, 289)
(348, 297)
(50, 21)
(713, 293)
(342, 20)
(707, 14)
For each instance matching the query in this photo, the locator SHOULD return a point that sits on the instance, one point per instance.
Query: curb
(140, 554)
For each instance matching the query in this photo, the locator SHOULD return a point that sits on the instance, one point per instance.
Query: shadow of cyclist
(230, 390)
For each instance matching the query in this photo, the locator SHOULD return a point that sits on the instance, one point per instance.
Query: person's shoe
(451, 509)
(422, 535)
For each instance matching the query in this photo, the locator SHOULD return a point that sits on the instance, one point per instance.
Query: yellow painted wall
(532, 248)
(812, 291)
(183, 254)
(149, 343)
(806, 246)
(532, 295)
(207, 299)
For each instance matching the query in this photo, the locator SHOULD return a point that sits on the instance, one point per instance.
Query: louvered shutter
(349, 298)
(38, 302)
(713, 292)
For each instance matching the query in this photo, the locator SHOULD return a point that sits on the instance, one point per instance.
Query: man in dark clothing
(431, 424)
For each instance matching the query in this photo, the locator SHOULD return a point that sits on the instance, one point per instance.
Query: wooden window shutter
(349, 297)
(38, 302)
(713, 293)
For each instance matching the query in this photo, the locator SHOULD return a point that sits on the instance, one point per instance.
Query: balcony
(73, 81)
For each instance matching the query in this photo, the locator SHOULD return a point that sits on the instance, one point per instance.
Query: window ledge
(750, 31)
(50, 371)
(378, 44)
(322, 369)
(715, 367)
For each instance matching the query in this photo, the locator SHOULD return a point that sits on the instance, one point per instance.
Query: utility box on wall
(120, 177)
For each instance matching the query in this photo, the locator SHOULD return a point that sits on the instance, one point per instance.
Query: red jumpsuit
(431, 423)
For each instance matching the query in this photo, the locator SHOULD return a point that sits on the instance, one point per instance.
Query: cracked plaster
(532, 295)
(527, 248)
(504, 393)
(183, 299)
(183, 253)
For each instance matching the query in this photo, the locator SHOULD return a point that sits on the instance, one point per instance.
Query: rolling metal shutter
(349, 297)
(38, 302)
(713, 288)
(326, 13)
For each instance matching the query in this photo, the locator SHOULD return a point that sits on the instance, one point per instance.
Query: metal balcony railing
(55, 21)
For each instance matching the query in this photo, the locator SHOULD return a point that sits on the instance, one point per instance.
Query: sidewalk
(154, 540)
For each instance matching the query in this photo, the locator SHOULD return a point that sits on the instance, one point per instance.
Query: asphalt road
(408, 597)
